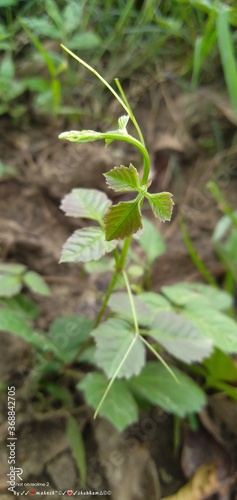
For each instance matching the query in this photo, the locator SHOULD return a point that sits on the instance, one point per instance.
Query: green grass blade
(197, 62)
(75, 439)
(227, 55)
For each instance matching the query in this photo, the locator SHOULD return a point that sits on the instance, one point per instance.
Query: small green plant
(14, 276)
(184, 320)
(184, 327)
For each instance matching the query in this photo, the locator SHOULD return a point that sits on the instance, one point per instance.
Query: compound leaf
(161, 205)
(123, 178)
(185, 294)
(85, 245)
(123, 220)
(119, 406)
(86, 203)
(114, 339)
(157, 386)
(68, 334)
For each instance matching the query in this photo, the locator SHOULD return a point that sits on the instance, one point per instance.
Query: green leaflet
(185, 294)
(114, 339)
(68, 334)
(156, 385)
(86, 203)
(85, 245)
(10, 284)
(123, 220)
(151, 241)
(16, 324)
(36, 283)
(12, 268)
(180, 337)
(119, 406)
(123, 178)
(119, 304)
(215, 325)
(161, 205)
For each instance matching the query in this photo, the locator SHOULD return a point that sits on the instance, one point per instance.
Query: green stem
(134, 314)
(137, 331)
(131, 115)
(130, 347)
(78, 59)
(114, 376)
(124, 103)
(119, 267)
(157, 355)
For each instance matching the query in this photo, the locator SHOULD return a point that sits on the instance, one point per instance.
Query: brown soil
(181, 133)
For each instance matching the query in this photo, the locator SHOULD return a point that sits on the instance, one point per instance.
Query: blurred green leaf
(10, 285)
(221, 367)
(36, 283)
(7, 68)
(72, 16)
(12, 268)
(145, 309)
(22, 305)
(214, 325)
(56, 14)
(119, 406)
(16, 324)
(114, 339)
(85, 245)
(5, 169)
(84, 41)
(69, 333)
(86, 203)
(185, 294)
(151, 241)
(180, 337)
(157, 386)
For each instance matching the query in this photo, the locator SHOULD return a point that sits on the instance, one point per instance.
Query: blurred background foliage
(192, 41)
